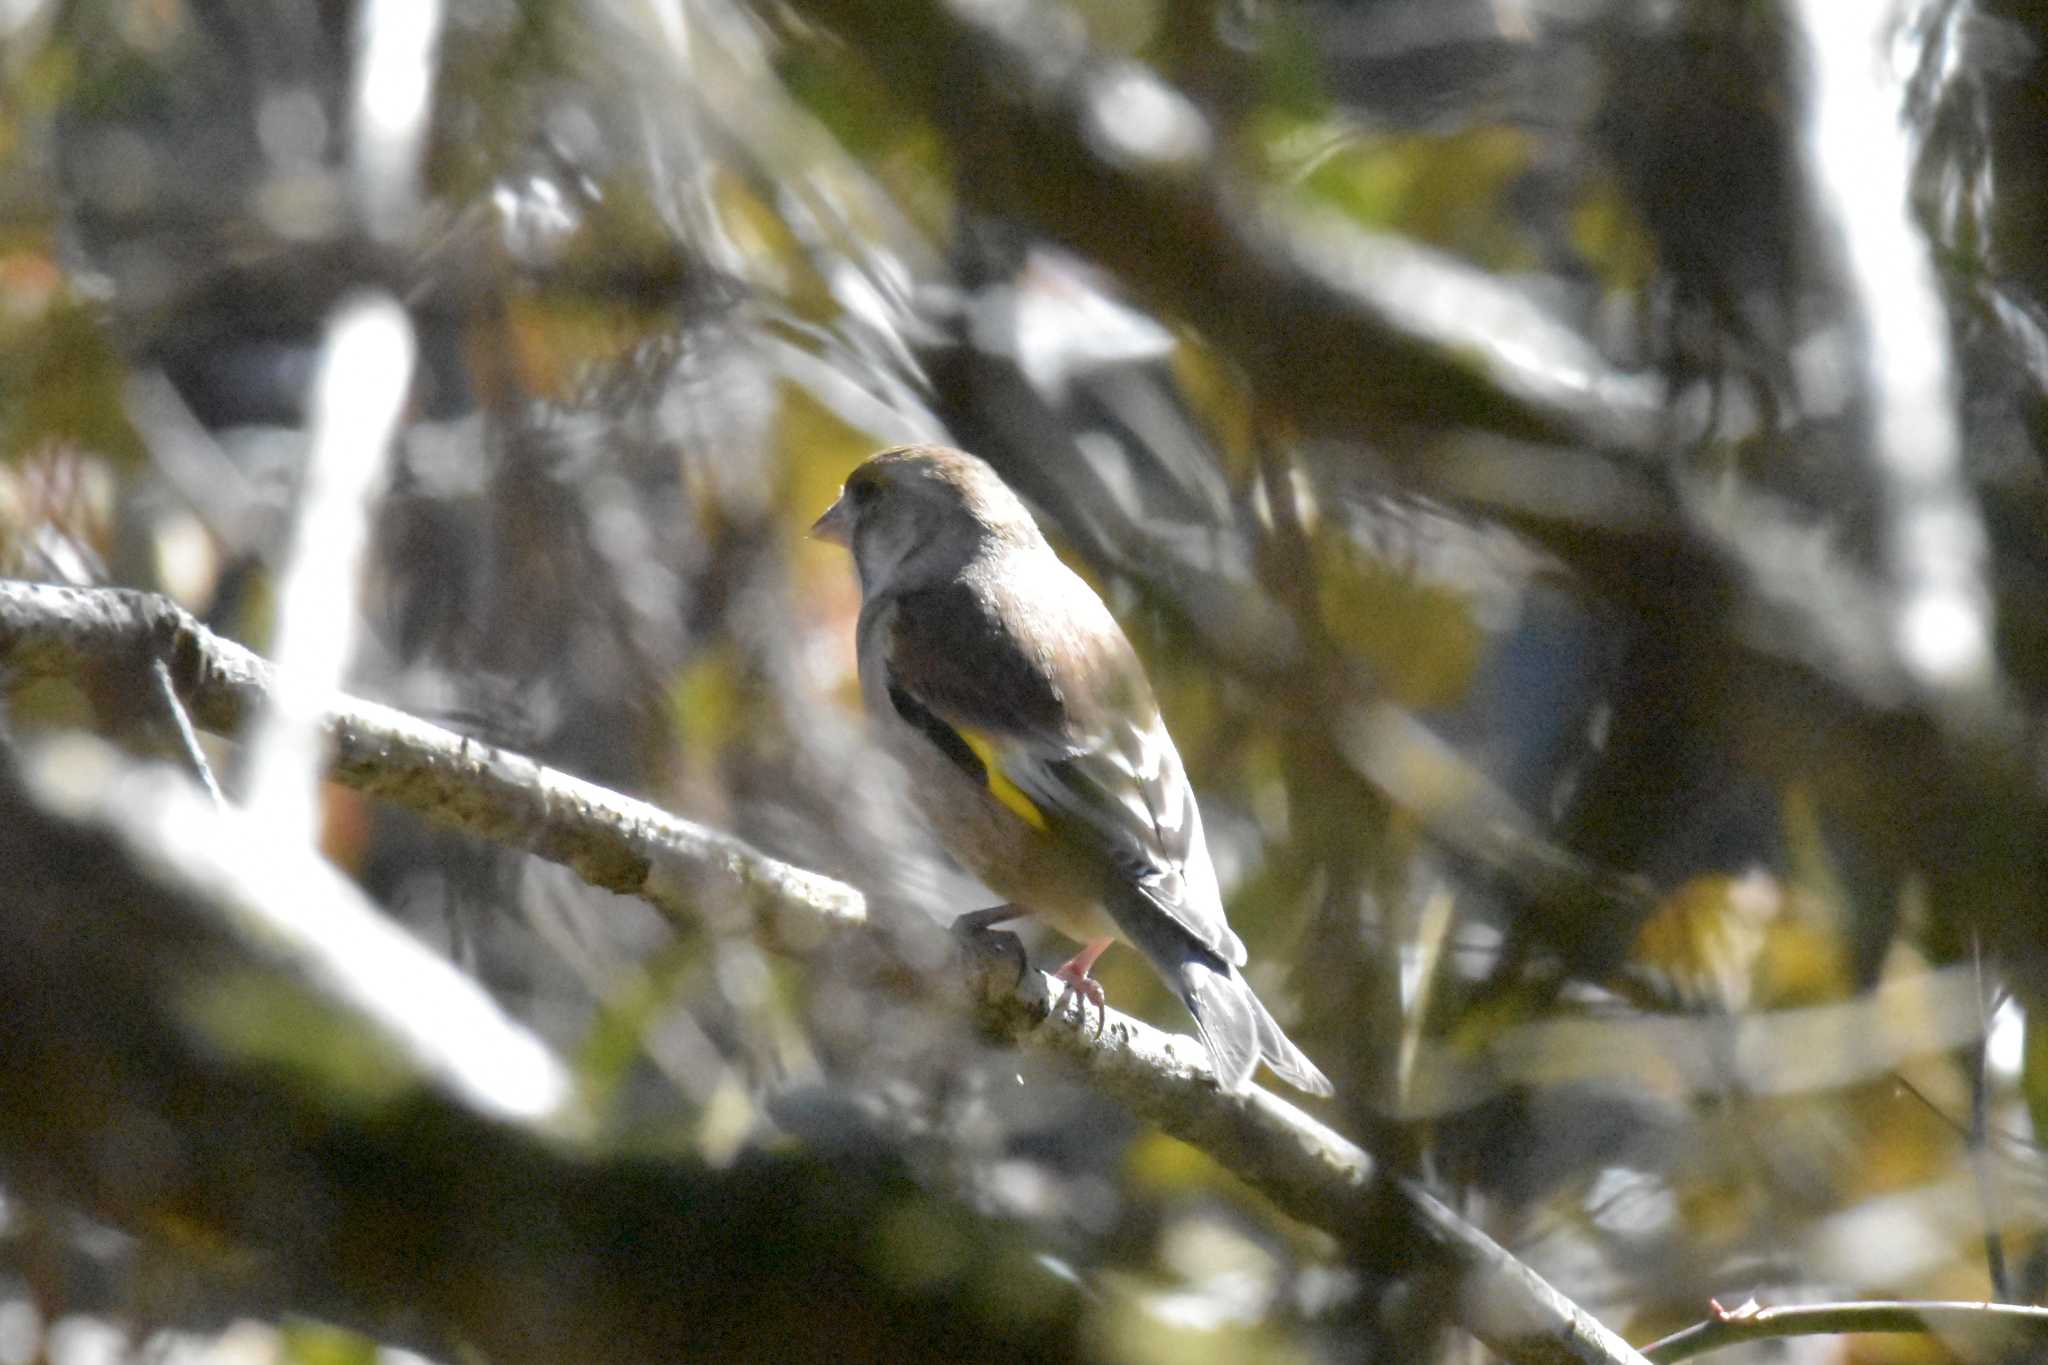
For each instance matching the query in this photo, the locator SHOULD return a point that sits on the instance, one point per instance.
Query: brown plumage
(1032, 741)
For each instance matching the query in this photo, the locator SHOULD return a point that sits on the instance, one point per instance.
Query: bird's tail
(1239, 1031)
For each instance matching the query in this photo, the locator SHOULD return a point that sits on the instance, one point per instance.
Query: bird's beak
(837, 523)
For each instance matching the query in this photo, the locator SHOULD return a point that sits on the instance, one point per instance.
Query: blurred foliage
(1617, 910)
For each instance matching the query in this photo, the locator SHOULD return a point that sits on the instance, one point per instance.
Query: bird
(1033, 744)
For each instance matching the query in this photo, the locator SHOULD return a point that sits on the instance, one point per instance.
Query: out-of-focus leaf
(315, 1343)
(1605, 230)
(1744, 942)
(1419, 638)
(1158, 1162)
(1448, 190)
(1905, 1138)
(60, 383)
(2034, 1066)
(1220, 399)
(707, 701)
(618, 1033)
(266, 1020)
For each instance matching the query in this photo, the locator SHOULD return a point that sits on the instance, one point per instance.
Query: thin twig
(187, 736)
(1980, 1130)
(2013, 1323)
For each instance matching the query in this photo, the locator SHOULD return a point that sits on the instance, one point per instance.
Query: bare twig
(689, 871)
(1982, 1172)
(188, 737)
(1979, 1323)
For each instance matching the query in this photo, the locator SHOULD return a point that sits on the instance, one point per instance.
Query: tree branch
(1993, 1328)
(1305, 1168)
(687, 870)
(690, 873)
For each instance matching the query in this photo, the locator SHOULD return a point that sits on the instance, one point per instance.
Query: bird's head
(914, 513)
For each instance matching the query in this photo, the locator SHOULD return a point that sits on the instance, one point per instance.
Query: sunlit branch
(1989, 1327)
(1304, 1167)
(690, 871)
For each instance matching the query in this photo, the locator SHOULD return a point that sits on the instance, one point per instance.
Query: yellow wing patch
(999, 786)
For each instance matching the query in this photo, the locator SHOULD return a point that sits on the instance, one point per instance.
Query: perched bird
(1032, 741)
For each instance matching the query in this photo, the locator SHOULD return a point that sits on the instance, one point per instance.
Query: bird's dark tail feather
(1239, 1031)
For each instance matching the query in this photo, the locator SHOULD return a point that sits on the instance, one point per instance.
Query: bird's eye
(862, 492)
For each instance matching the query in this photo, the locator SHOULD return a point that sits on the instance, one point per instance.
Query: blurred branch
(1467, 811)
(1301, 1165)
(196, 1053)
(1339, 327)
(365, 374)
(1858, 165)
(291, 913)
(1990, 1327)
(688, 872)
(1801, 1050)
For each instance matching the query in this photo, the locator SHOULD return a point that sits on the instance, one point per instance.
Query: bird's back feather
(1107, 765)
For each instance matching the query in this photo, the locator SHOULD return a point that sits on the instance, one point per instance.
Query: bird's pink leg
(1075, 973)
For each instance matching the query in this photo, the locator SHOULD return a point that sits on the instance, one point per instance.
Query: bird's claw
(1090, 991)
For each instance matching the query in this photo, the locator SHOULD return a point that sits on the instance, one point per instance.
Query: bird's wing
(1066, 737)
